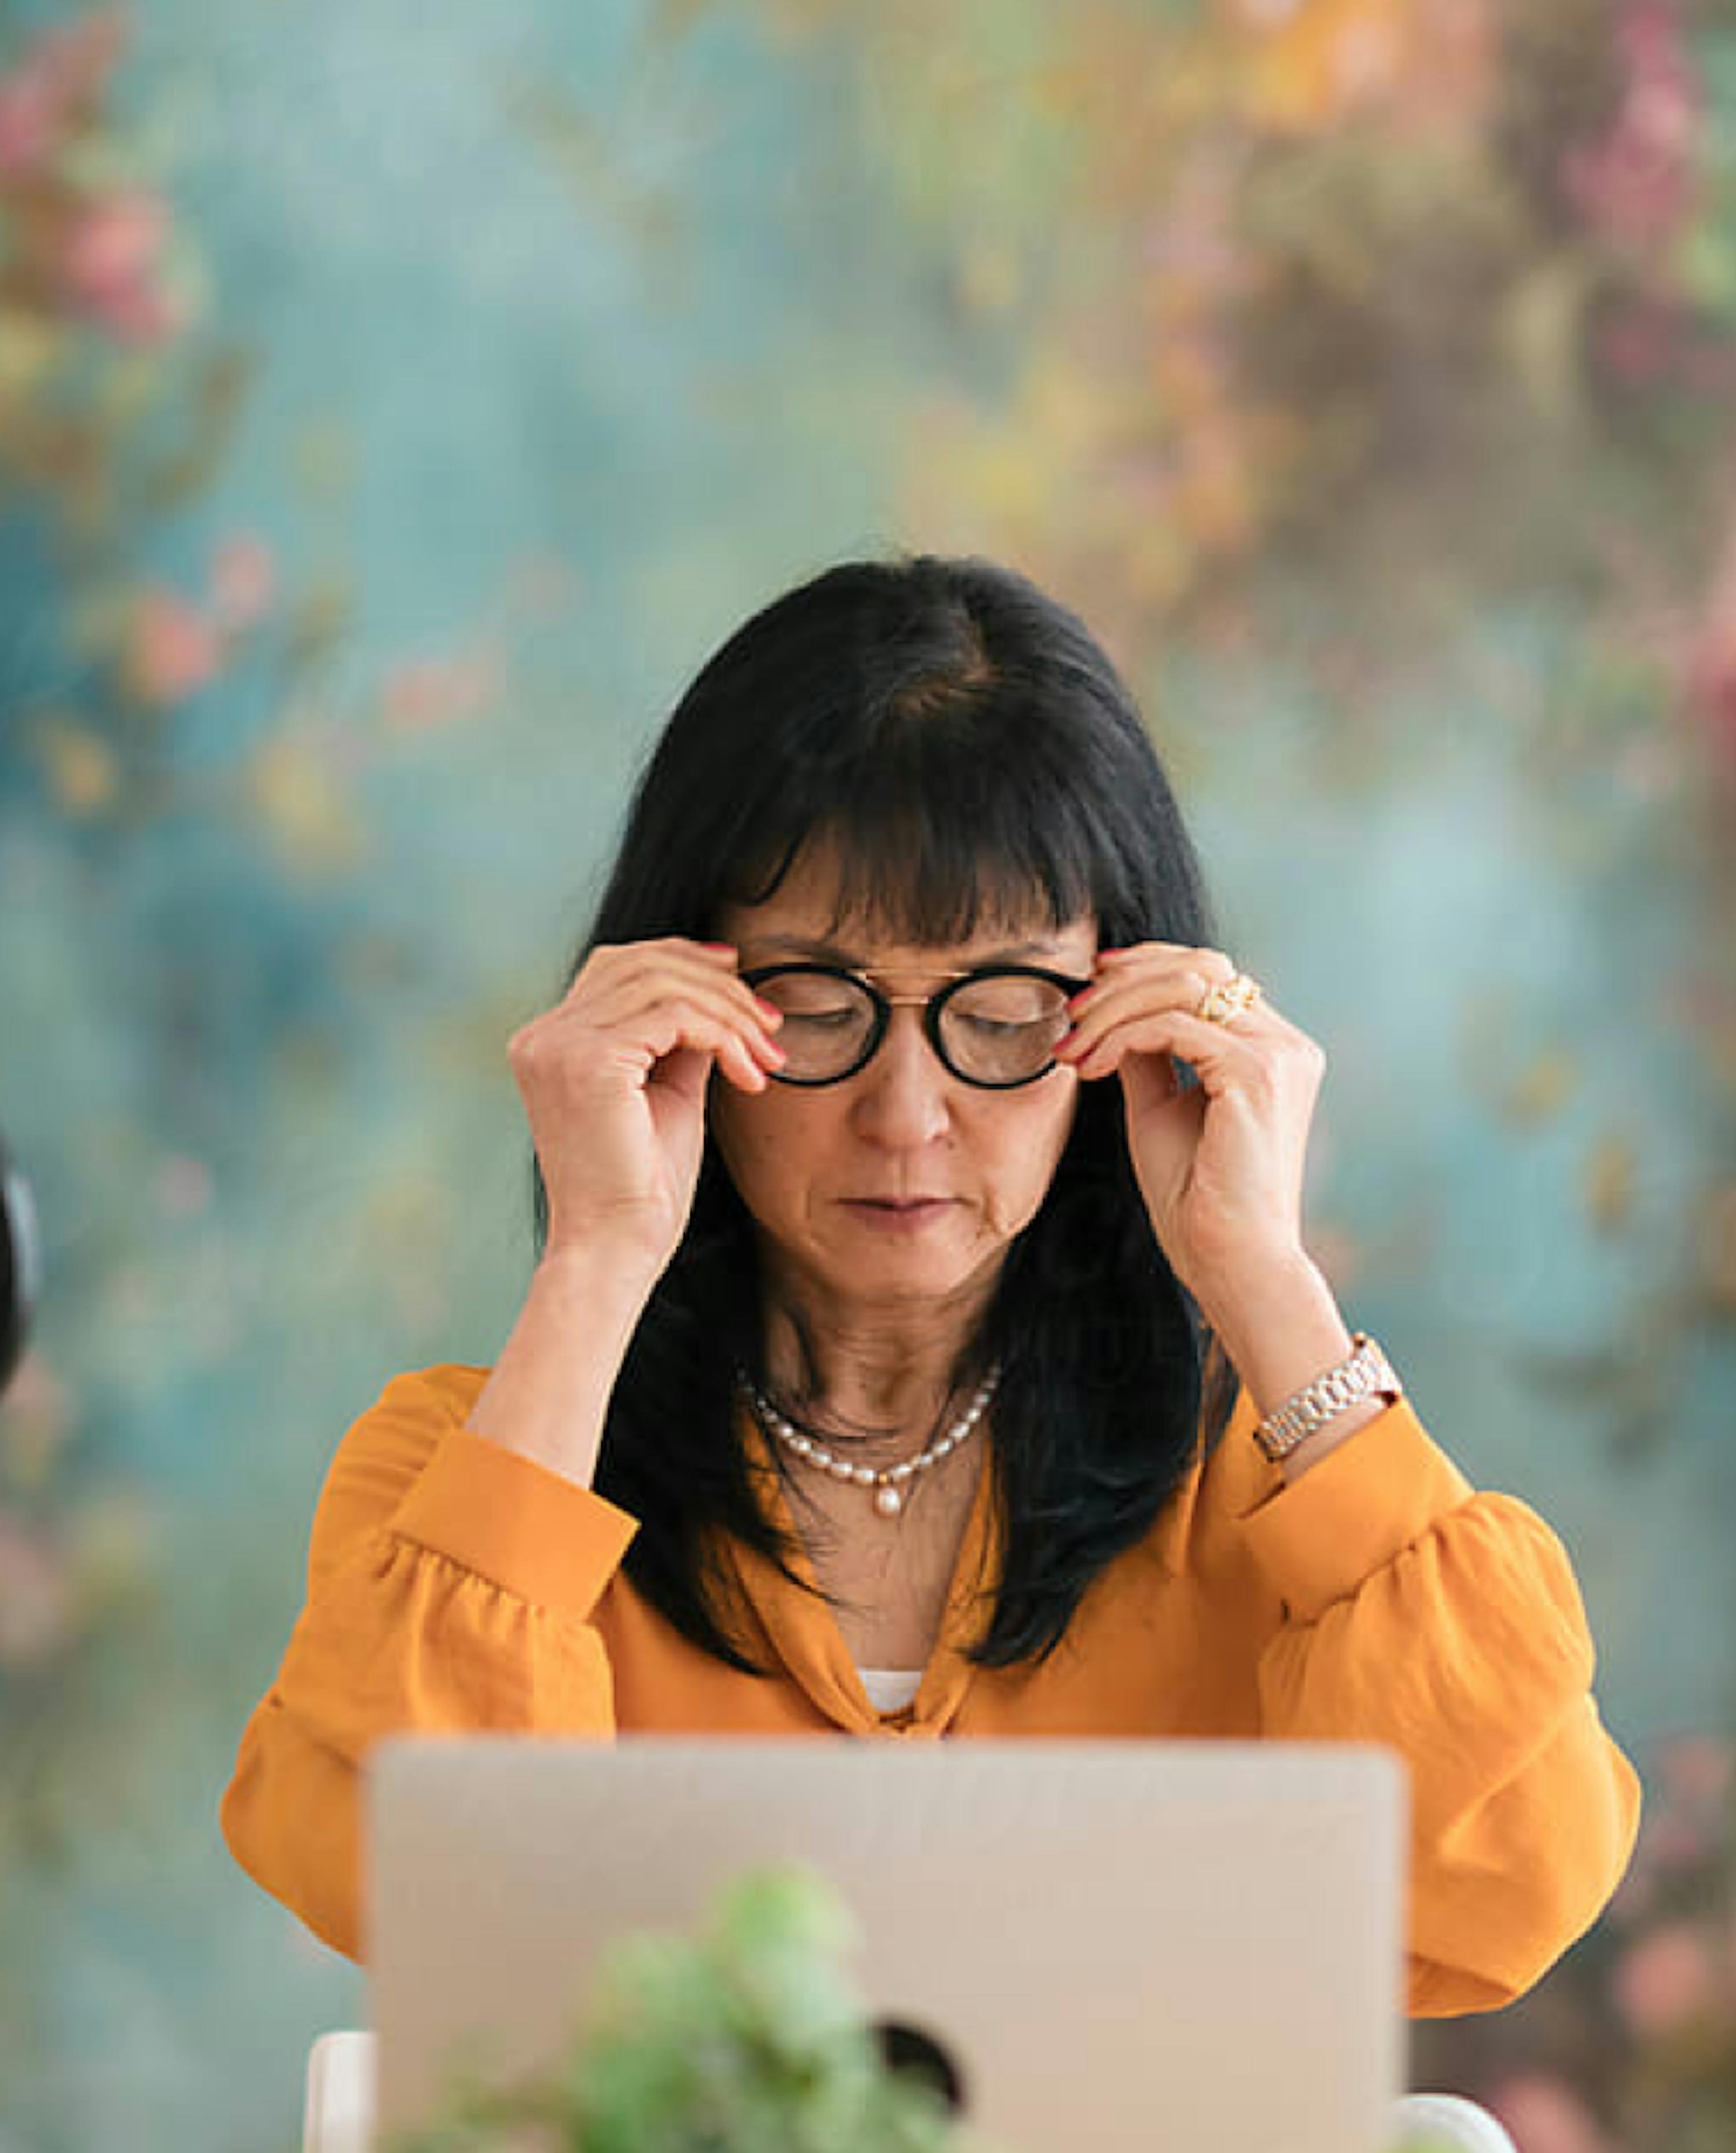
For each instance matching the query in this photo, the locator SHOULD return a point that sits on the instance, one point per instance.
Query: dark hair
(972, 755)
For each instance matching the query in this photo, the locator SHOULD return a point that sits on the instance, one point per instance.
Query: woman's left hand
(1220, 1166)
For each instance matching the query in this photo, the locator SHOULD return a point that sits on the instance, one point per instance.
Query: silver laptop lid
(1119, 1945)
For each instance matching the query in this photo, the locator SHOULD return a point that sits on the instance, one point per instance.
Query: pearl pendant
(891, 1494)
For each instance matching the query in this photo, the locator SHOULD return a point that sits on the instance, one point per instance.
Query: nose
(903, 1096)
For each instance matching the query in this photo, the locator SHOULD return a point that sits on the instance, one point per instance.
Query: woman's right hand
(614, 1080)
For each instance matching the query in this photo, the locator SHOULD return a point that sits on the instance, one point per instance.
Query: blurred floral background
(397, 406)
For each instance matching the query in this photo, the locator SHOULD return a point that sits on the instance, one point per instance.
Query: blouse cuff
(530, 1530)
(1326, 1532)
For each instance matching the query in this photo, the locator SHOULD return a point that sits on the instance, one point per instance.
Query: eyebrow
(830, 953)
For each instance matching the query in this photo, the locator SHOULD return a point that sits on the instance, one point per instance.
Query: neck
(878, 1378)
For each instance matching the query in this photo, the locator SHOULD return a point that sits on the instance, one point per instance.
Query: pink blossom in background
(1545, 2116)
(1638, 185)
(1643, 343)
(1700, 1769)
(30, 122)
(1668, 1980)
(108, 264)
(425, 694)
(119, 237)
(39, 97)
(1713, 694)
(1708, 662)
(243, 581)
(138, 316)
(1672, 1842)
(172, 652)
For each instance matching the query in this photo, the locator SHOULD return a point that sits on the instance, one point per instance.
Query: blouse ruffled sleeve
(1447, 1623)
(450, 1586)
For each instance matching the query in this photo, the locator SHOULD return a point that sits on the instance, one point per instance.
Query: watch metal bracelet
(1366, 1373)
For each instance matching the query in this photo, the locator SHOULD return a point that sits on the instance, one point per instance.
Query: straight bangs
(946, 829)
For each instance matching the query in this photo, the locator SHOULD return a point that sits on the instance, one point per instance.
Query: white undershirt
(890, 1689)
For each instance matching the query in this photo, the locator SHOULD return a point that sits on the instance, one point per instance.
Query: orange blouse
(1378, 1597)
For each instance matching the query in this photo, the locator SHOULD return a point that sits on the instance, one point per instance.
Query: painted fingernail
(770, 1010)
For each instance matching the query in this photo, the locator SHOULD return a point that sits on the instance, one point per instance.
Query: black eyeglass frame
(931, 1005)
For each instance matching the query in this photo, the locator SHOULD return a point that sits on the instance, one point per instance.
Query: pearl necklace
(889, 1484)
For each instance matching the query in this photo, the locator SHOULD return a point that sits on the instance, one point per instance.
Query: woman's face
(902, 1185)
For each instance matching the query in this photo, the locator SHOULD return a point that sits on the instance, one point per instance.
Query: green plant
(748, 2038)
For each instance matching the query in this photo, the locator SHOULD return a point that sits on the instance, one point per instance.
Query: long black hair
(970, 755)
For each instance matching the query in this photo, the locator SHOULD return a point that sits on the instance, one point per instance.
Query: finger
(725, 996)
(1181, 977)
(1218, 1053)
(647, 1019)
(670, 1029)
(1100, 1009)
(675, 945)
(1211, 964)
(610, 964)
(671, 956)
(622, 999)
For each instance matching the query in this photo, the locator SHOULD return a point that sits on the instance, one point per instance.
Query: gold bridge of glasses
(993, 1025)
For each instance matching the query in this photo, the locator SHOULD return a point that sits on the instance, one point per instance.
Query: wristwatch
(1367, 1374)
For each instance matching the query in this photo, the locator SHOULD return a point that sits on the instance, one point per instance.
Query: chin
(917, 1275)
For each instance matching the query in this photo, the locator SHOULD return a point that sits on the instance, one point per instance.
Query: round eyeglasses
(997, 1027)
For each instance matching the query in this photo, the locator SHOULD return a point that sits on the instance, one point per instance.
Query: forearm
(547, 1395)
(1281, 1328)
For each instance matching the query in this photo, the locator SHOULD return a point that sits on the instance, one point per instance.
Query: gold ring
(1223, 1004)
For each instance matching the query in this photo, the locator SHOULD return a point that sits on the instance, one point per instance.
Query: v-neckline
(805, 1633)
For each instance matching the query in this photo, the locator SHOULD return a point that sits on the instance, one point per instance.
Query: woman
(923, 1340)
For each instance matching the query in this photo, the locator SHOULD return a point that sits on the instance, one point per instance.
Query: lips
(900, 1216)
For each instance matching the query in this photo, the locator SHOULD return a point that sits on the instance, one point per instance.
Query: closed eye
(990, 1027)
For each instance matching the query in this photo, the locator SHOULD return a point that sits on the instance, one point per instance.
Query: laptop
(1118, 1946)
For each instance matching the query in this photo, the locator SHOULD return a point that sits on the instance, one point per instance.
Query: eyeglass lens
(1001, 1029)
